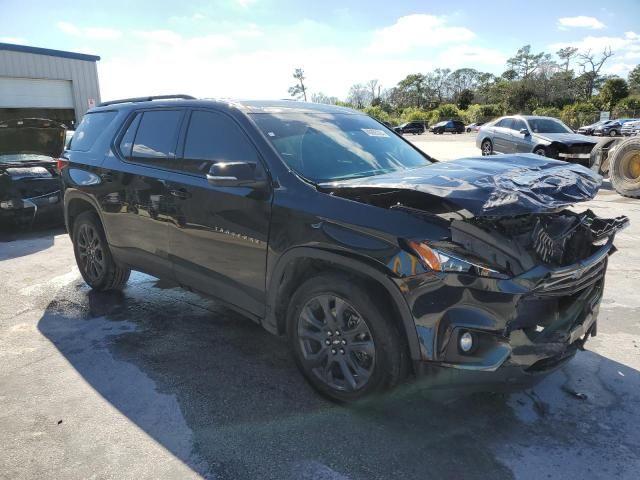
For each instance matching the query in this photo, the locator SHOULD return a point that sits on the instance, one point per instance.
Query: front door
(218, 236)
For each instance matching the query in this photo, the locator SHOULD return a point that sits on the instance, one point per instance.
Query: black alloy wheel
(90, 252)
(336, 343)
(93, 255)
(346, 339)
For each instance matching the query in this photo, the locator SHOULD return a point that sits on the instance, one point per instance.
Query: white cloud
(417, 30)
(94, 33)
(580, 22)
(16, 40)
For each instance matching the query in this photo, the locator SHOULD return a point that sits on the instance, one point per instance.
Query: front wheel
(93, 256)
(613, 133)
(540, 151)
(343, 339)
(486, 147)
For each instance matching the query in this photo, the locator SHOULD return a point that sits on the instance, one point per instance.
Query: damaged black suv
(321, 224)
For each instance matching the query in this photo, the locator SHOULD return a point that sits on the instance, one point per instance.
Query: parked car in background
(474, 127)
(629, 127)
(30, 185)
(588, 129)
(448, 126)
(544, 136)
(375, 262)
(612, 128)
(416, 128)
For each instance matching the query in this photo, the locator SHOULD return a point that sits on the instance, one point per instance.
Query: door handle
(180, 193)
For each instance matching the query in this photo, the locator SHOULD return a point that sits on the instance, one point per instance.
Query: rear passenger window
(214, 137)
(90, 128)
(156, 136)
(127, 139)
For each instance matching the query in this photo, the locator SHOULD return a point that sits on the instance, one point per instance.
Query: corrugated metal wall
(83, 74)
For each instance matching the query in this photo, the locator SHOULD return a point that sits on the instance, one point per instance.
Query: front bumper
(26, 210)
(523, 328)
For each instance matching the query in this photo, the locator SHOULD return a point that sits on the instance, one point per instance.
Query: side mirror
(524, 132)
(235, 174)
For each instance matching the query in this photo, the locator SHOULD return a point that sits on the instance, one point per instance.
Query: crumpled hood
(502, 185)
(36, 136)
(566, 138)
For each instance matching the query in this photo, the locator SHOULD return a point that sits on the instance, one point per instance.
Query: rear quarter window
(90, 128)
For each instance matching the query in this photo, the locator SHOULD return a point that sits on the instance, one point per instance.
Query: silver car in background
(544, 136)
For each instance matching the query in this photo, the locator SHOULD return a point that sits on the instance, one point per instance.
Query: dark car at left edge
(30, 187)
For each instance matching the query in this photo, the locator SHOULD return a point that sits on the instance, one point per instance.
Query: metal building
(44, 83)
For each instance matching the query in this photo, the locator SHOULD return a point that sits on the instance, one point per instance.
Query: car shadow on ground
(224, 396)
(16, 242)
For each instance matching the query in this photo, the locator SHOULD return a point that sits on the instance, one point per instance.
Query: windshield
(328, 147)
(548, 125)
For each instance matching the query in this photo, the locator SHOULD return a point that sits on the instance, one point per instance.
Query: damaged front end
(532, 302)
(514, 289)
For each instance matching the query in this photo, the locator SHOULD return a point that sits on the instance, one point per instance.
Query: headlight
(441, 261)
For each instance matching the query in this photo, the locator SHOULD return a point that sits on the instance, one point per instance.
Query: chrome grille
(568, 282)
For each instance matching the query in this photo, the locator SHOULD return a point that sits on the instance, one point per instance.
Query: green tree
(299, 90)
(634, 79)
(566, 54)
(464, 99)
(614, 90)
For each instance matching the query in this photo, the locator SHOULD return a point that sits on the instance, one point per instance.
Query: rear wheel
(486, 147)
(342, 339)
(624, 168)
(613, 133)
(93, 256)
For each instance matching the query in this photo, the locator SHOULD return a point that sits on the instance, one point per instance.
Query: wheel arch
(293, 268)
(75, 203)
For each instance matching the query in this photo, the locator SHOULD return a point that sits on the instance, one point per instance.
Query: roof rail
(147, 99)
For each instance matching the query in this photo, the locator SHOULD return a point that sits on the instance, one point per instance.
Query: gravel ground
(158, 382)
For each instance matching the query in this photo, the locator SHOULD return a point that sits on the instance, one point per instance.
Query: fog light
(466, 342)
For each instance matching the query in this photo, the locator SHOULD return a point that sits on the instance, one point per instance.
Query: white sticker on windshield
(372, 132)
(271, 134)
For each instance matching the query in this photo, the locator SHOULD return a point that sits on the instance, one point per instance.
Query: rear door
(218, 236)
(136, 203)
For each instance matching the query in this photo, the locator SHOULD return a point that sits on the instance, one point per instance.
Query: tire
(599, 157)
(624, 168)
(542, 151)
(486, 147)
(613, 133)
(324, 344)
(93, 256)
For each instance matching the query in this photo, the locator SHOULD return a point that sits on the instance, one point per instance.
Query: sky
(249, 48)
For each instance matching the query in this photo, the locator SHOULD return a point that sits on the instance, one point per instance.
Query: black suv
(416, 128)
(450, 126)
(321, 224)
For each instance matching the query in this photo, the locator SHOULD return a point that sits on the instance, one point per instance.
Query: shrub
(579, 113)
(378, 113)
(628, 107)
(445, 112)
